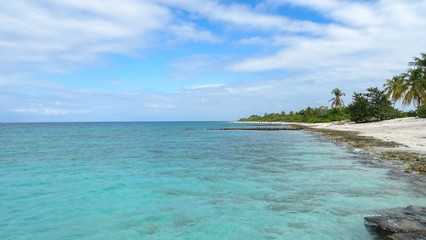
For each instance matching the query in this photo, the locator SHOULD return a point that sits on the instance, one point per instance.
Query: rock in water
(407, 236)
(400, 224)
(396, 224)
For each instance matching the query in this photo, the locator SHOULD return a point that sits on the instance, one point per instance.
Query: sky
(193, 60)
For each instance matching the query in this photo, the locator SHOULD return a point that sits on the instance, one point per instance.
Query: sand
(410, 132)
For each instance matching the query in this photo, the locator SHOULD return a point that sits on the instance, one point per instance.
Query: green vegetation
(410, 87)
(395, 88)
(374, 105)
(311, 115)
(421, 111)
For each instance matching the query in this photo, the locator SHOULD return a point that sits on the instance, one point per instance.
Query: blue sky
(176, 60)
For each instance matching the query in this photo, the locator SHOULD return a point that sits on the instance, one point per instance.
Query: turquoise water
(163, 181)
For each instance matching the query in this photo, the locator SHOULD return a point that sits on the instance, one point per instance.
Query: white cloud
(248, 89)
(368, 39)
(212, 85)
(48, 111)
(188, 31)
(57, 35)
(52, 35)
(240, 15)
(60, 36)
(160, 106)
(192, 62)
(197, 67)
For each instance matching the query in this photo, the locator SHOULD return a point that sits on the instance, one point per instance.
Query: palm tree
(419, 62)
(416, 87)
(337, 101)
(395, 88)
(410, 86)
(416, 82)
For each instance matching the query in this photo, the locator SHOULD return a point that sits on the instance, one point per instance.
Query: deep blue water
(164, 181)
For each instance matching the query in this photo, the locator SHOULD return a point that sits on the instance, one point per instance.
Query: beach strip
(396, 139)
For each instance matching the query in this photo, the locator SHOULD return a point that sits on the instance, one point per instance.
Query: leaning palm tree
(395, 88)
(337, 101)
(416, 87)
(419, 62)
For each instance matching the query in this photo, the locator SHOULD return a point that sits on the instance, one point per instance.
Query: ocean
(186, 180)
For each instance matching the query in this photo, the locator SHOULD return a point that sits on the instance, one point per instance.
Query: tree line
(375, 104)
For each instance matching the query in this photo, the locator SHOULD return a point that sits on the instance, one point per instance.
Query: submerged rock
(417, 162)
(407, 236)
(396, 224)
(401, 223)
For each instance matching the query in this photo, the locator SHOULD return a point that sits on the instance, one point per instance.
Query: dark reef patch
(416, 162)
(399, 223)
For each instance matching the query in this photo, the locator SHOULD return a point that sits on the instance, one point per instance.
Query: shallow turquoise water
(162, 181)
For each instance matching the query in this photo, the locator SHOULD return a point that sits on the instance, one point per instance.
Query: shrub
(359, 109)
(372, 105)
(421, 111)
(381, 108)
(411, 113)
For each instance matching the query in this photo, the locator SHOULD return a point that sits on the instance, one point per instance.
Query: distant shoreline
(397, 139)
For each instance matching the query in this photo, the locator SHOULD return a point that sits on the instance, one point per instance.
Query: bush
(401, 114)
(381, 107)
(372, 105)
(411, 113)
(359, 109)
(421, 111)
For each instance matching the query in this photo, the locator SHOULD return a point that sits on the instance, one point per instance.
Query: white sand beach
(410, 132)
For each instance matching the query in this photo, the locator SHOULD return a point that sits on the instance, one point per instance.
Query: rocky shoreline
(385, 150)
(399, 224)
(396, 224)
(411, 159)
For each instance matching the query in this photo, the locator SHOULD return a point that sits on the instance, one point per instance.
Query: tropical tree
(416, 87)
(419, 62)
(410, 86)
(337, 101)
(416, 82)
(395, 88)
(372, 105)
(380, 107)
(359, 109)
